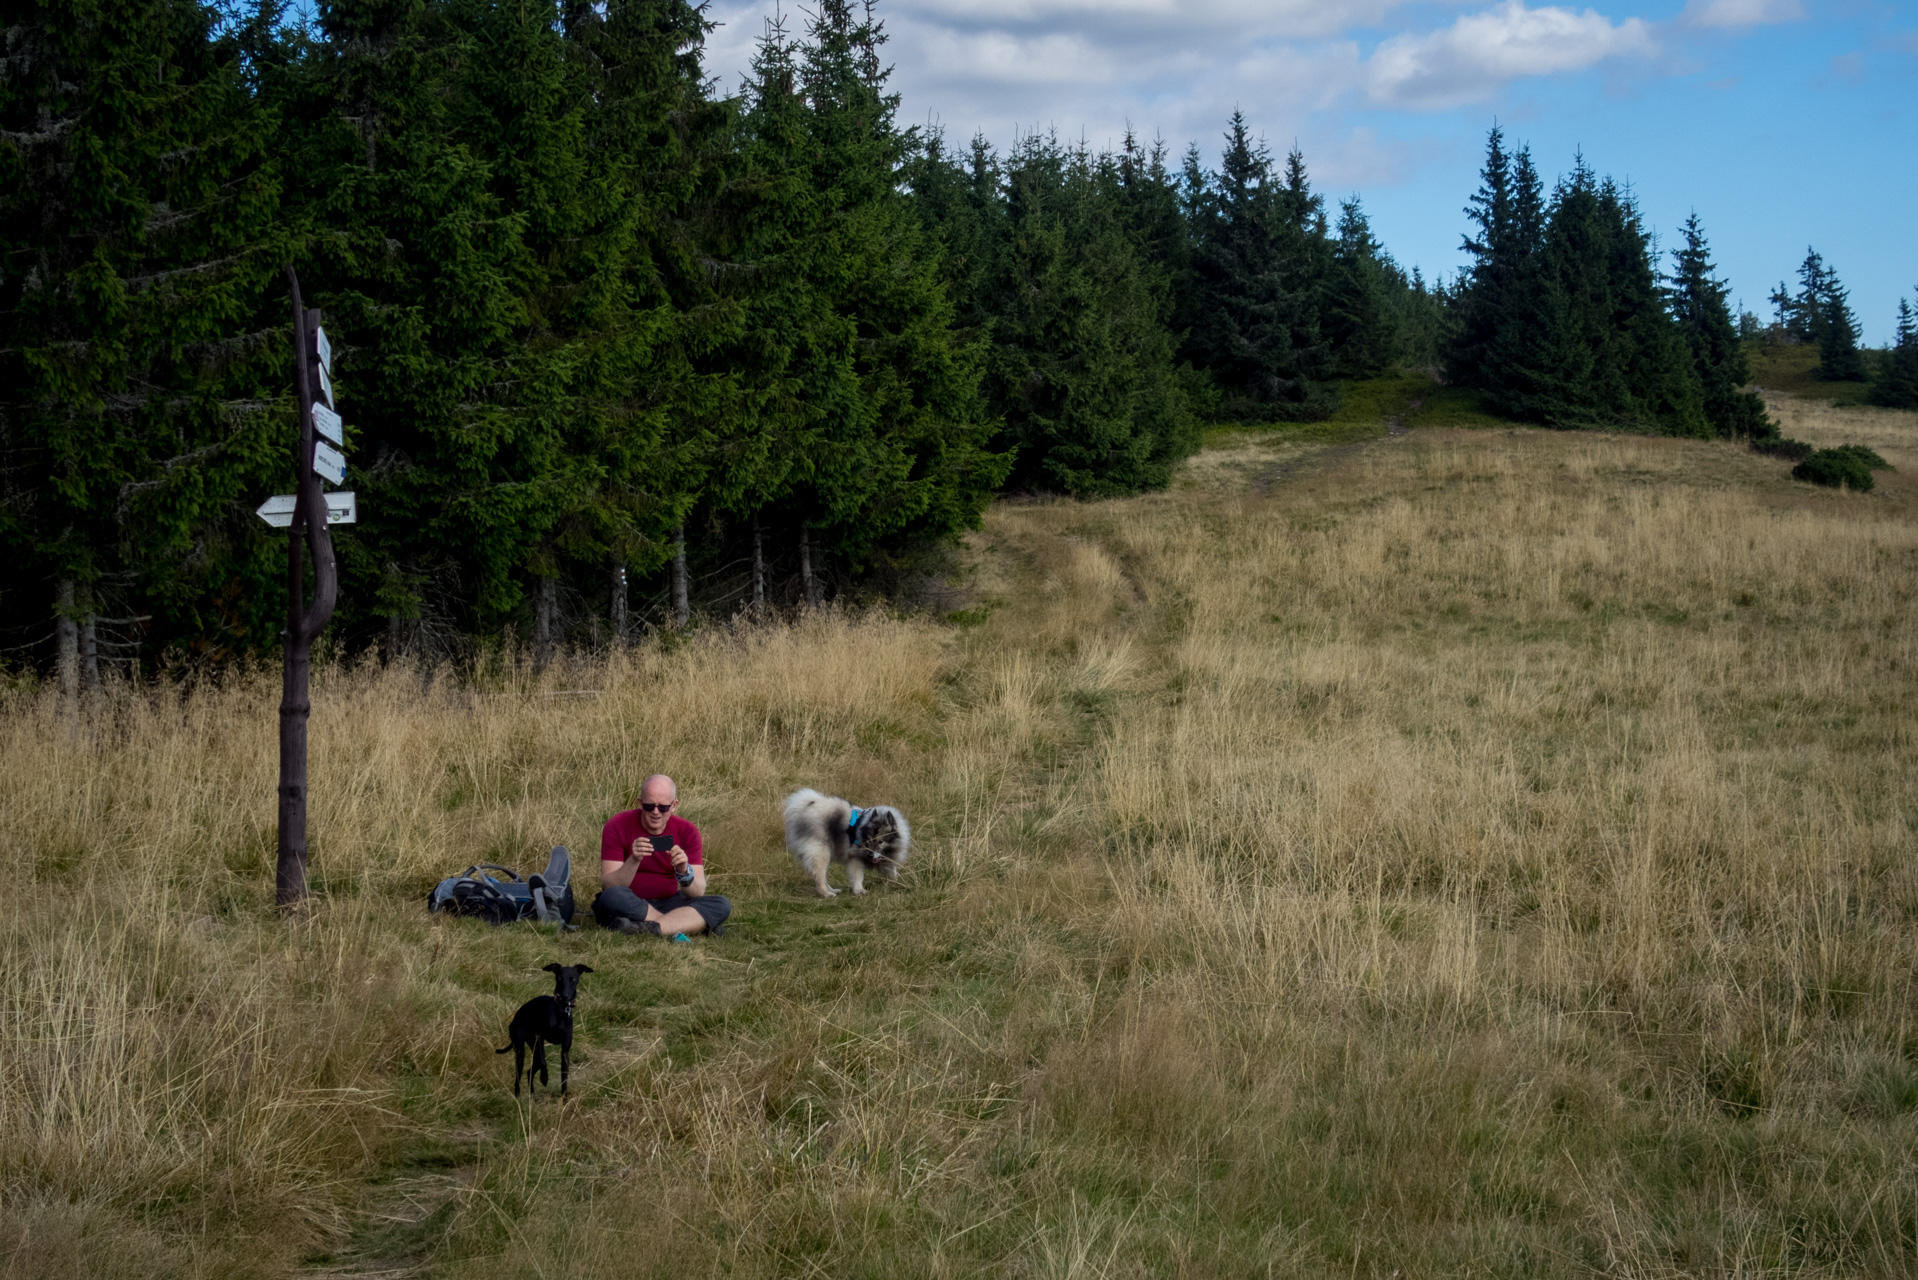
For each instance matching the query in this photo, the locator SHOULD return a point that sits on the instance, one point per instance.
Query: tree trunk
(89, 650)
(806, 583)
(66, 640)
(545, 606)
(682, 611)
(303, 622)
(759, 570)
(394, 623)
(619, 604)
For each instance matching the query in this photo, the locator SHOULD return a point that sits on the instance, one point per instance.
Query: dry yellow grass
(1474, 854)
(1826, 425)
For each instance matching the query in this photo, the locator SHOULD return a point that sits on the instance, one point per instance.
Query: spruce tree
(1662, 389)
(1788, 318)
(1718, 356)
(413, 259)
(143, 357)
(1803, 314)
(1419, 316)
(1896, 386)
(1538, 359)
(1361, 325)
(1839, 359)
(1256, 280)
(1063, 261)
(1149, 202)
(495, 195)
(792, 349)
(902, 452)
(1586, 339)
(671, 412)
(1081, 362)
(1496, 254)
(958, 199)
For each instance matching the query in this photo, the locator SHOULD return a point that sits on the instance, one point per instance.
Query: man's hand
(697, 889)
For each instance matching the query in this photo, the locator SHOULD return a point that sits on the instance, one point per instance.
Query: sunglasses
(657, 808)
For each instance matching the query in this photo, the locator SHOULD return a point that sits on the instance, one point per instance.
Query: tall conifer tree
(1896, 386)
(494, 194)
(1361, 325)
(671, 411)
(1821, 313)
(1655, 371)
(1256, 282)
(1718, 357)
(902, 454)
(142, 343)
(1081, 362)
(1536, 362)
(1496, 253)
(1839, 359)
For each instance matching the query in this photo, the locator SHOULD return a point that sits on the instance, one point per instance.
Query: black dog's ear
(585, 968)
(552, 968)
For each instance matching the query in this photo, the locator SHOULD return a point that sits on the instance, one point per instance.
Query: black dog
(543, 1019)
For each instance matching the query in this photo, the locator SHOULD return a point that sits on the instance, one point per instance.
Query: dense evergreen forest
(611, 347)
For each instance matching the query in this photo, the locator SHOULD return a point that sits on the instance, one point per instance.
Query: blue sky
(1784, 123)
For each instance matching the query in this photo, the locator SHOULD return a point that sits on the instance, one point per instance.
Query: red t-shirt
(654, 878)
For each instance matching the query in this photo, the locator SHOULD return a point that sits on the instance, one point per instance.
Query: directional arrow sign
(329, 462)
(328, 424)
(341, 508)
(326, 350)
(326, 385)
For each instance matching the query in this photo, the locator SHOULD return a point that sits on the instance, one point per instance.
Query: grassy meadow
(1397, 849)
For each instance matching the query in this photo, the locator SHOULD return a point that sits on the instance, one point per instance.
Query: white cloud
(1741, 13)
(1481, 52)
(1170, 20)
(1361, 158)
(1178, 68)
(999, 57)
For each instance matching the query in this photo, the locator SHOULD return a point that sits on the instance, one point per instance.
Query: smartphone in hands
(663, 844)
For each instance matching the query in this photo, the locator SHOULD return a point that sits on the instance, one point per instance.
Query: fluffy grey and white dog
(822, 830)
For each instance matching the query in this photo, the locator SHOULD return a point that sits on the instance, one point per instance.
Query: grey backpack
(496, 894)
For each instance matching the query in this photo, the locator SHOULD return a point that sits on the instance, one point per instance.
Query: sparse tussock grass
(1475, 853)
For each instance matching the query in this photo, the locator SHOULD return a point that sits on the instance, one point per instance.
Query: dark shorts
(612, 904)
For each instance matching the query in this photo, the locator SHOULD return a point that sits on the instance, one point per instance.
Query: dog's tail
(507, 1049)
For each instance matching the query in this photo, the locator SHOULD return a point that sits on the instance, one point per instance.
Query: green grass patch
(1375, 401)
(1455, 407)
(1366, 409)
(1794, 369)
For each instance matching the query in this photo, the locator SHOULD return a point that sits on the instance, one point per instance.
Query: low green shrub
(1849, 465)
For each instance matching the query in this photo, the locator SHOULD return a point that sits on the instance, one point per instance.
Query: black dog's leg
(565, 1063)
(519, 1063)
(539, 1063)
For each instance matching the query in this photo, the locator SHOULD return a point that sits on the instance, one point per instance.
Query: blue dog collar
(852, 826)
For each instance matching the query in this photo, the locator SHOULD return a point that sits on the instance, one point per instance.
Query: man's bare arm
(617, 875)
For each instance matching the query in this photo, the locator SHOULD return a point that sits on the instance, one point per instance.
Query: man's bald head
(656, 790)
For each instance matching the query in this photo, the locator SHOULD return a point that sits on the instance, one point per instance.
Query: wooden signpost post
(313, 361)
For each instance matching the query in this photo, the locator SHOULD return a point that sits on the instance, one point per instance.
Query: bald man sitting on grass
(642, 853)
